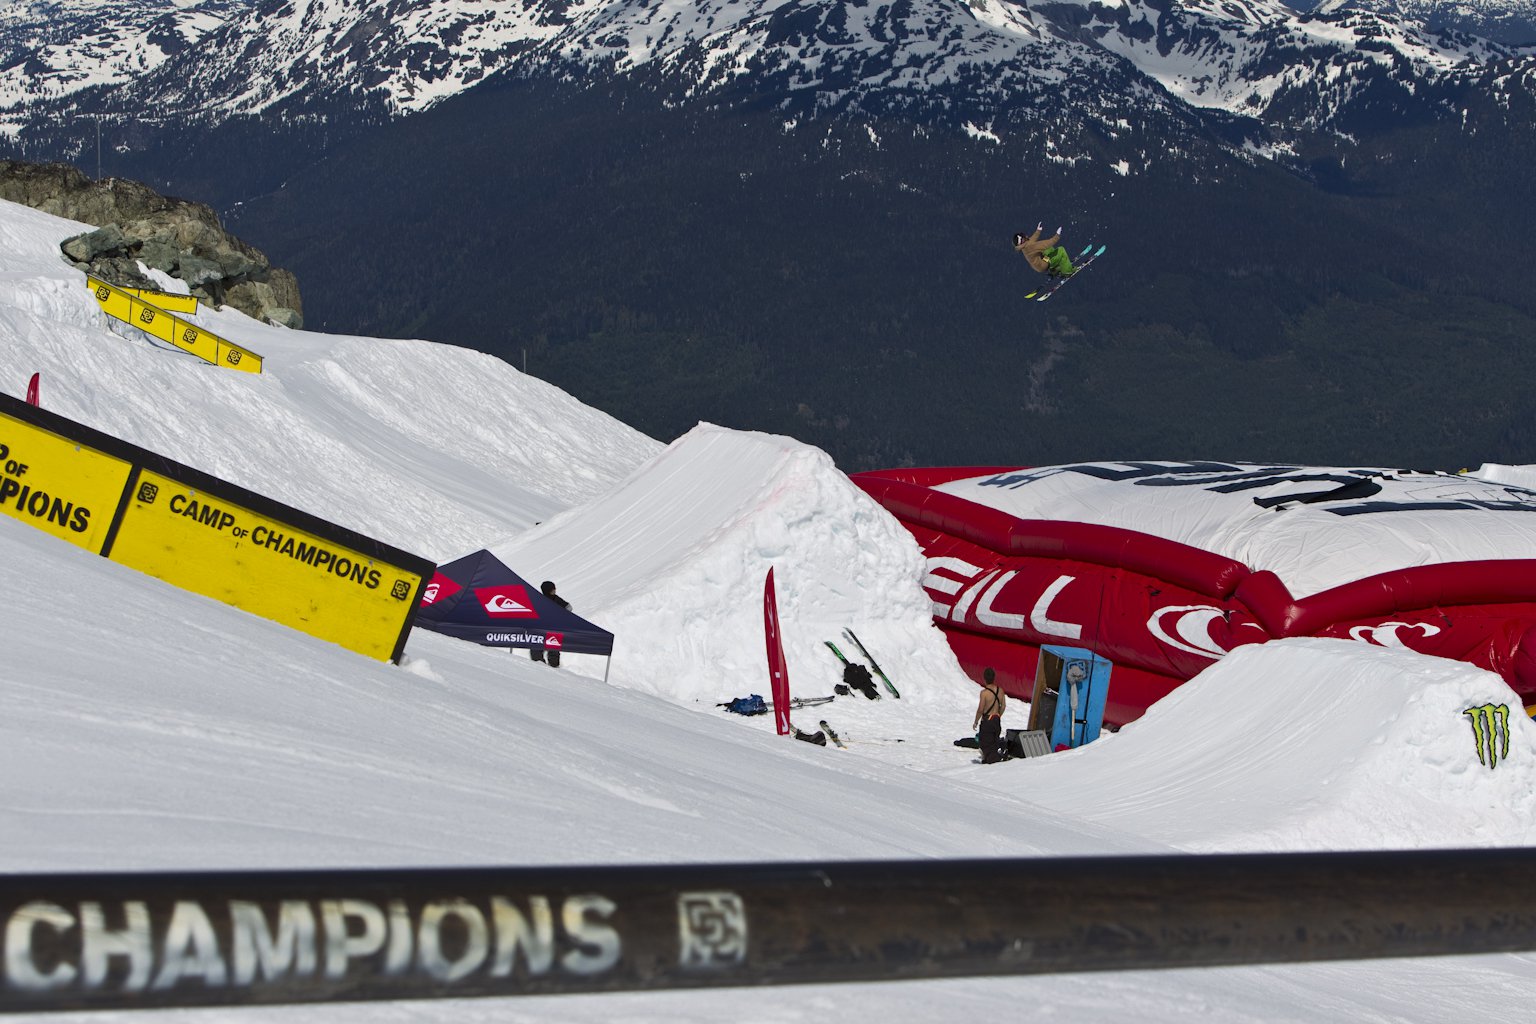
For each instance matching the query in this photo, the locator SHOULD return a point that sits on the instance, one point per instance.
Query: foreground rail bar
(219, 938)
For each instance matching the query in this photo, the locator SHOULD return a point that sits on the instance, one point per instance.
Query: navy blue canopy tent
(477, 598)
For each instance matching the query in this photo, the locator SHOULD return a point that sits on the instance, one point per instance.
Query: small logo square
(712, 927)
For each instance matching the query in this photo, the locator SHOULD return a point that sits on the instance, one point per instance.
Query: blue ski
(1084, 260)
(1050, 281)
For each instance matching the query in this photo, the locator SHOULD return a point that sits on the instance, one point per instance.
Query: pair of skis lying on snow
(1082, 260)
(827, 732)
(868, 657)
(820, 738)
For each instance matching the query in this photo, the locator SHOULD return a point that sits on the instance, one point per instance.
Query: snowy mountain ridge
(50, 48)
(1503, 20)
(949, 58)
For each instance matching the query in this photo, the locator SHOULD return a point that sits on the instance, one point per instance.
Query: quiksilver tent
(479, 599)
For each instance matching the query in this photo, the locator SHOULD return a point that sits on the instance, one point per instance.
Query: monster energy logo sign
(1490, 730)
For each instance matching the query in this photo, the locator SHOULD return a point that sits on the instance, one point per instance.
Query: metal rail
(220, 938)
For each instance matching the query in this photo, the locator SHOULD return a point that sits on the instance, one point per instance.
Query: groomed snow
(148, 728)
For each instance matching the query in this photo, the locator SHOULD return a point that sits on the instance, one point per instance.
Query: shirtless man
(989, 718)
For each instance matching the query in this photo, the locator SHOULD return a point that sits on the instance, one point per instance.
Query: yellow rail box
(131, 309)
(168, 301)
(206, 535)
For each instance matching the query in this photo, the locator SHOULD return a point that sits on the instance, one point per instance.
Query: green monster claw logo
(1490, 730)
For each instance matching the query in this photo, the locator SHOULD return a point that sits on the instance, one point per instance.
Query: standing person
(1044, 254)
(537, 654)
(989, 718)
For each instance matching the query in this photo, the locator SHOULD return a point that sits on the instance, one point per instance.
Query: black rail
(220, 938)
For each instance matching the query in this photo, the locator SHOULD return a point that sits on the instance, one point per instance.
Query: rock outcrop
(136, 225)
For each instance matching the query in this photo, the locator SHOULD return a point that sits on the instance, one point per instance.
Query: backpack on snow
(752, 705)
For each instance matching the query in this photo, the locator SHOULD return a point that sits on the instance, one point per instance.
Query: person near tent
(1045, 255)
(989, 718)
(538, 654)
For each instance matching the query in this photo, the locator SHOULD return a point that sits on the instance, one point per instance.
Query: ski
(832, 735)
(873, 663)
(868, 689)
(756, 702)
(1052, 284)
(1084, 265)
(804, 702)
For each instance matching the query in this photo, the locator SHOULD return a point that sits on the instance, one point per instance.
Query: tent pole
(607, 664)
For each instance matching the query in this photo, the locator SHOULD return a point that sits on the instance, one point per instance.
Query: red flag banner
(32, 386)
(778, 671)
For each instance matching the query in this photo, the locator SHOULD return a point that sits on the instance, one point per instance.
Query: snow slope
(677, 554)
(148, 728)
(420, 445)
(1316, 745)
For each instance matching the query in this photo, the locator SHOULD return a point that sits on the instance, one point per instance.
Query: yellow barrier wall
(137, 312)
(59, 487)
(168, 301)
(206, 535)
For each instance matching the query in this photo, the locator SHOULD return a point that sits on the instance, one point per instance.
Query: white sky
(142, 727)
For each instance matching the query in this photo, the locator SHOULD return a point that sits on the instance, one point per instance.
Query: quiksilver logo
(502, 604)
(507, 601)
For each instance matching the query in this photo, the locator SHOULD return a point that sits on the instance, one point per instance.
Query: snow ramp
(1309, 744)
(673, 559)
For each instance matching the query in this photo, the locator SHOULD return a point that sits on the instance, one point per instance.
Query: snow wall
(673, 559)
(1165, 567)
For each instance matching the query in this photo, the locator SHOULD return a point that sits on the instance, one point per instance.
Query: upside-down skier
(1045, 255)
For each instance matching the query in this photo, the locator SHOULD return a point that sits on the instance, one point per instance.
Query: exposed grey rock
(285, 290)
(122, 271)
(237, 265)
(87, 247)
(198, 272)
(285, 317)
(160, 256)
(177, 237)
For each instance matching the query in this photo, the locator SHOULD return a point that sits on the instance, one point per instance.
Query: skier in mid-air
(1045, 254)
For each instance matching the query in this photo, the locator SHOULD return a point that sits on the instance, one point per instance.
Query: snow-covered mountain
(1512, 21)
(49, 49)
(343, 133)
(971, 62)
